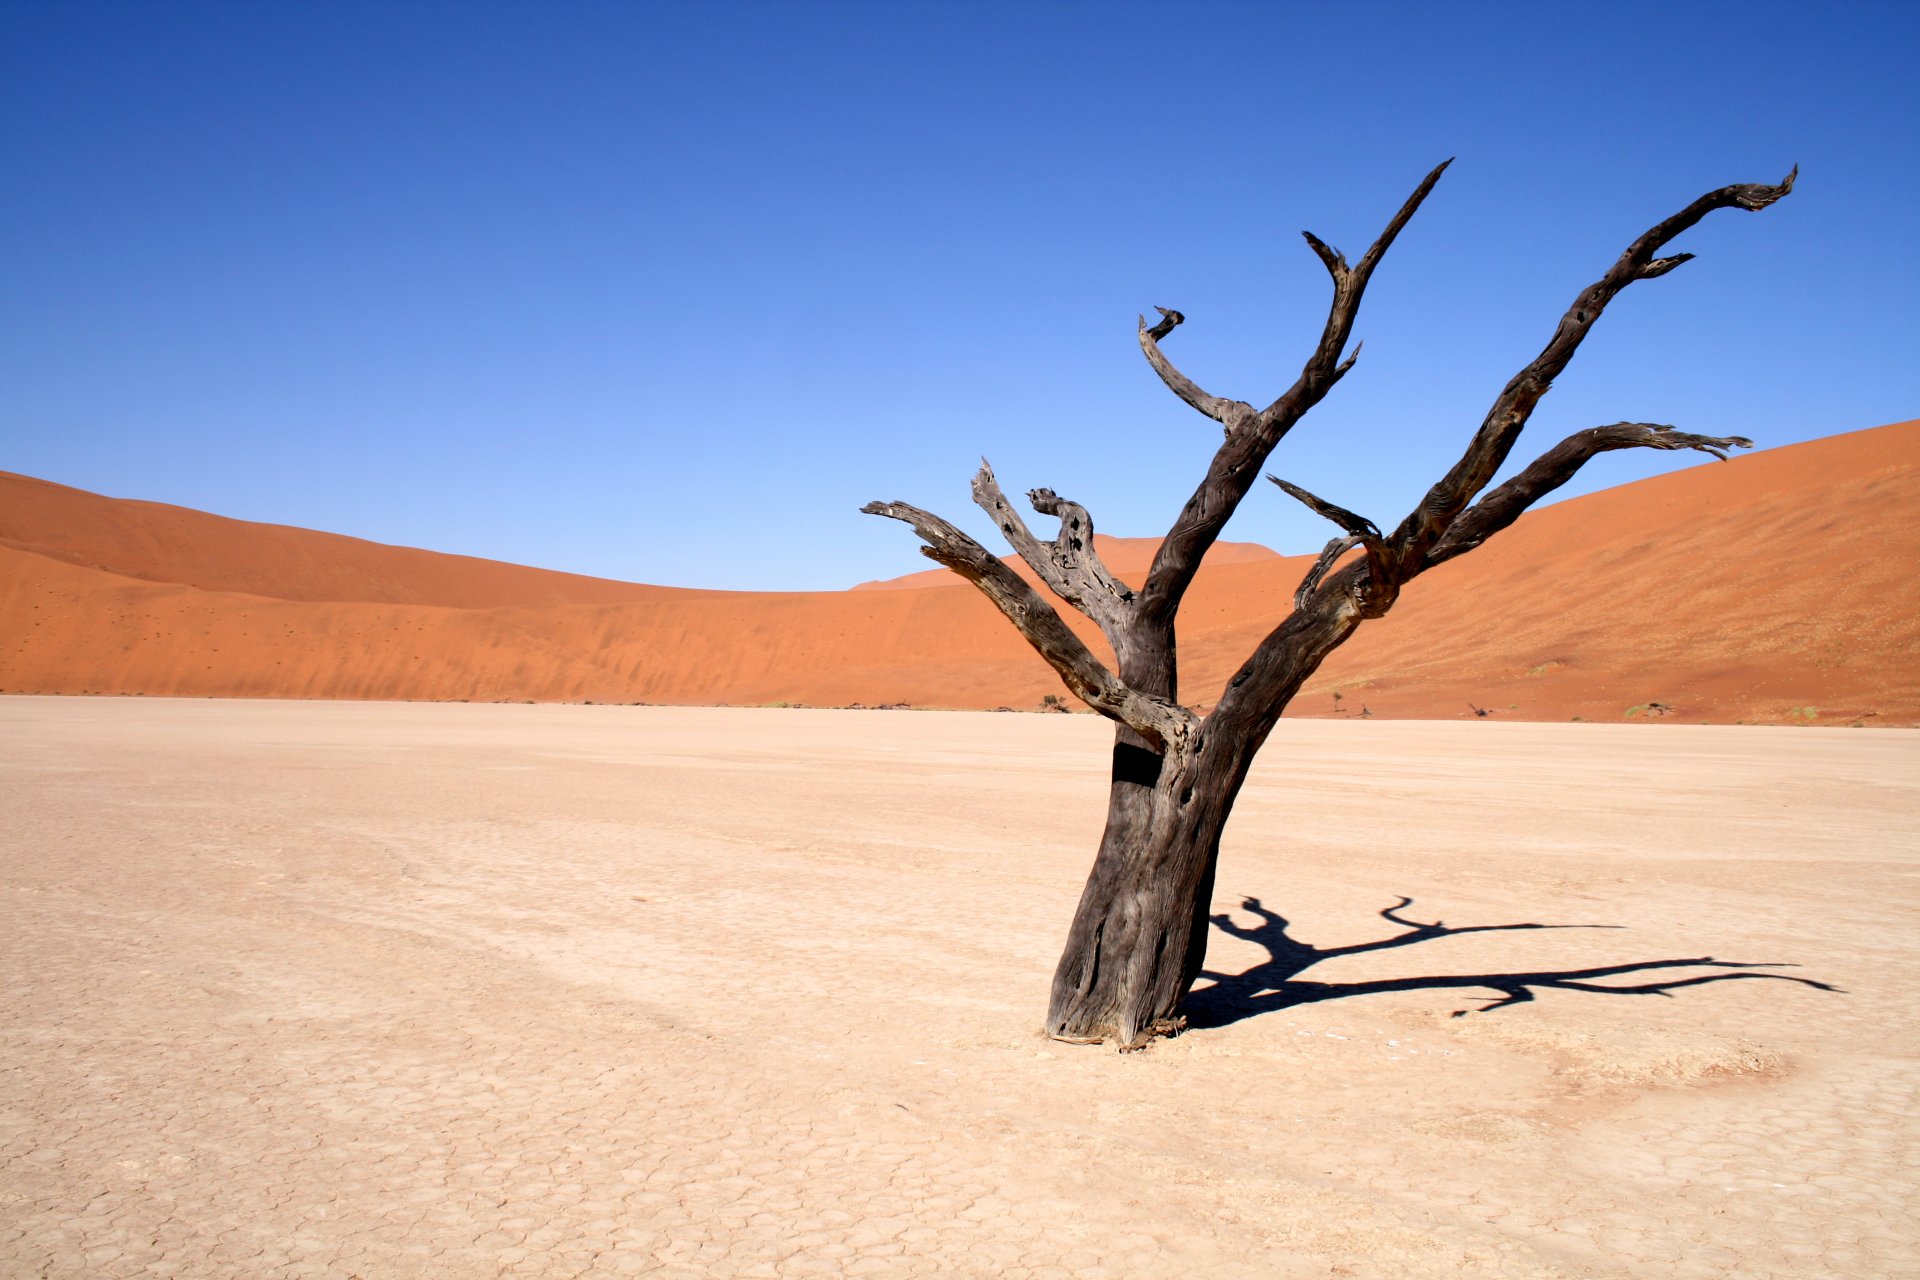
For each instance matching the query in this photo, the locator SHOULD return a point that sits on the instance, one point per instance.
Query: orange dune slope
(1778, 587)
(159, 543)
(1126, 558)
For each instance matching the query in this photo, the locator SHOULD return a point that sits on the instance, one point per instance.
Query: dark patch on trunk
(1137, 765)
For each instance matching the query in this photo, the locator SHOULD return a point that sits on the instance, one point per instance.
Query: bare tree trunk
(1139, 935)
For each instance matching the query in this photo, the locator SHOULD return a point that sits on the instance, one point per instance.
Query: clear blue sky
(666, 293)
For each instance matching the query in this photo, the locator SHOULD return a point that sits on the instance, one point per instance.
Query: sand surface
(379, 990)
(1128, 559)
(1776, 588)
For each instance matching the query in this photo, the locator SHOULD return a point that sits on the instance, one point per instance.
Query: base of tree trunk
(1139, 936)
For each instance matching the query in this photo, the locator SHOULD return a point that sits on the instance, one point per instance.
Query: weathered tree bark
(1138, 939)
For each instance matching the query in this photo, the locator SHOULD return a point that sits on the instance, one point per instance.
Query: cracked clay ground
(388, 990)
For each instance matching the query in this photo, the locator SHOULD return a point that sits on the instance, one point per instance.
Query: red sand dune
(1777, 587)
(1126, 558)
(175, 545)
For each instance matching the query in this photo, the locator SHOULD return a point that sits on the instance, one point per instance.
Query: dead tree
(1139, 936)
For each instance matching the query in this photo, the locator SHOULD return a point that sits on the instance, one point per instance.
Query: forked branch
(1349, 285)
(1158, 721)
(1075, 554)
(1329, 605)
(1069, 565)
(1236, 464)
(1515, 403)
(1361, 532)
(1504, 504)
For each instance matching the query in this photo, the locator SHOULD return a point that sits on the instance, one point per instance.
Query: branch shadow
(1274, 984)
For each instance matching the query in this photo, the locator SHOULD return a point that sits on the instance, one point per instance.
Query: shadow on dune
(1274, 984)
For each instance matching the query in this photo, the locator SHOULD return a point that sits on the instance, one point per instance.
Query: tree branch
(1332, 602)
(1236, 464)
(1228, 413)
(1501, 506)
(1325, 561)
(1361, 532)
(1069, 565)
(1357, 525)
(1515, 404)
(988, 496)
(1334, 260)
(1077, 556)
(1324, 368)
(1328, 607)
(1162, 723)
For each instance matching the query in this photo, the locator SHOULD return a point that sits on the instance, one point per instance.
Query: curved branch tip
(1660, 266)
(1355, 524)
(1169, 321)
(1334, 260)
(1758, 196)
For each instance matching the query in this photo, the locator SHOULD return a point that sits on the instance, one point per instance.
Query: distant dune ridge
(1126, 558)
(1778, 587)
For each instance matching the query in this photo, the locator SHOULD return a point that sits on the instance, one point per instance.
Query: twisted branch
(1228, 413)
(1159, 721)
(1069, 565)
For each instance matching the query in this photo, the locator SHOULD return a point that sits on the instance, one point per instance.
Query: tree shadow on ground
(1274, 984)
